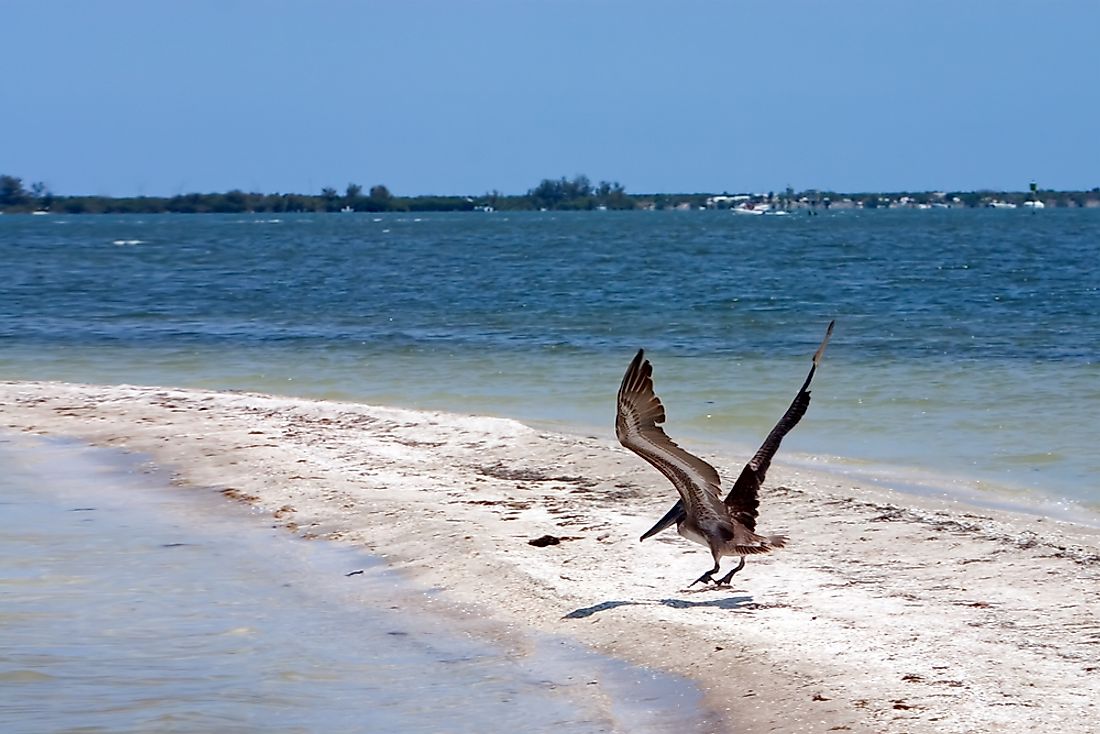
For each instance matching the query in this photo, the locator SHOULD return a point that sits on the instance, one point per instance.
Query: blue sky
(156, 97)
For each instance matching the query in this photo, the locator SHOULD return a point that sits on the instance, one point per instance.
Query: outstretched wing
(637, 425)
(742, 499)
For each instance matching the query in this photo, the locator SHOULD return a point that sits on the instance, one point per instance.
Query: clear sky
(160, 97)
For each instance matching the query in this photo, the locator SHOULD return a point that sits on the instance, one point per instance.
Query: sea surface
(965, 356)
(128, 605)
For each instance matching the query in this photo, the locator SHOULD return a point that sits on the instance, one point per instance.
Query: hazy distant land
(578, 194)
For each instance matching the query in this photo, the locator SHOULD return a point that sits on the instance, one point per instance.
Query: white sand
(885, 613)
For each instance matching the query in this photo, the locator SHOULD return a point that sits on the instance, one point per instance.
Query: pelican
(726, 527)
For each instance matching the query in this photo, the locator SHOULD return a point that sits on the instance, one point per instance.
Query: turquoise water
(128, 605)
(965, 355)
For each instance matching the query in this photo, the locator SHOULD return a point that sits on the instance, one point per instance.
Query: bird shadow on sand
(736, 603)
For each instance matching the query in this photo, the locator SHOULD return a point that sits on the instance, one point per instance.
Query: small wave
(239, 632)
(128, 242)
(1032, 459)
(24, 676)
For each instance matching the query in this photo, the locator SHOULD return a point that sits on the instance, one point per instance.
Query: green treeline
(578, 193)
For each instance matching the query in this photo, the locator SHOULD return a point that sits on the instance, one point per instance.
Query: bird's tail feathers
(761, 544)
(752, 550)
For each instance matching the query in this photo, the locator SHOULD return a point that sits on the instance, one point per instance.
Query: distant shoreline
(578, 194)
(660, 202)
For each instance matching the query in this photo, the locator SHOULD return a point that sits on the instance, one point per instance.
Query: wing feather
(742, 499)
(637, 426)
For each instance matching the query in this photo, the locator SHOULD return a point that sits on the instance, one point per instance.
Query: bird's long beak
(670, 517)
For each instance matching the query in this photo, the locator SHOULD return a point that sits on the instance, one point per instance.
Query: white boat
(750, 208)
(995, 204)
(1035, 205)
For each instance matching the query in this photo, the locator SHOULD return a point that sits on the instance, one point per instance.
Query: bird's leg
(708, 577)
(725, 580)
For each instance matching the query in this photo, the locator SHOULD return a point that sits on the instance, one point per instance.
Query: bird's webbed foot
(725, 580)
(705, 579)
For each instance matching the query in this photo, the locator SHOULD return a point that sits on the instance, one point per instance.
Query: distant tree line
(577, 193)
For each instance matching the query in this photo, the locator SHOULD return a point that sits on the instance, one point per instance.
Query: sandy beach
(887, 612)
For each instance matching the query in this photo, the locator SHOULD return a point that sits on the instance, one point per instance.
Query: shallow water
(130, 605)
(965, 356)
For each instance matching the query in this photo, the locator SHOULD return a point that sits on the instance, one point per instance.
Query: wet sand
(887, 612)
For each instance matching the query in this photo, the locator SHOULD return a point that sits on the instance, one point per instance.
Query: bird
(727, 527)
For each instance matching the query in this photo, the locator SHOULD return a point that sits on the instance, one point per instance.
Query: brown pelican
(726, 527)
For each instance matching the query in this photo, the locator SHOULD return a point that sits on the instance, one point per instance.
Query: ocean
(964, 359)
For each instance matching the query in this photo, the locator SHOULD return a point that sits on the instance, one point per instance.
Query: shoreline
(887, 612)
(335, 608)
